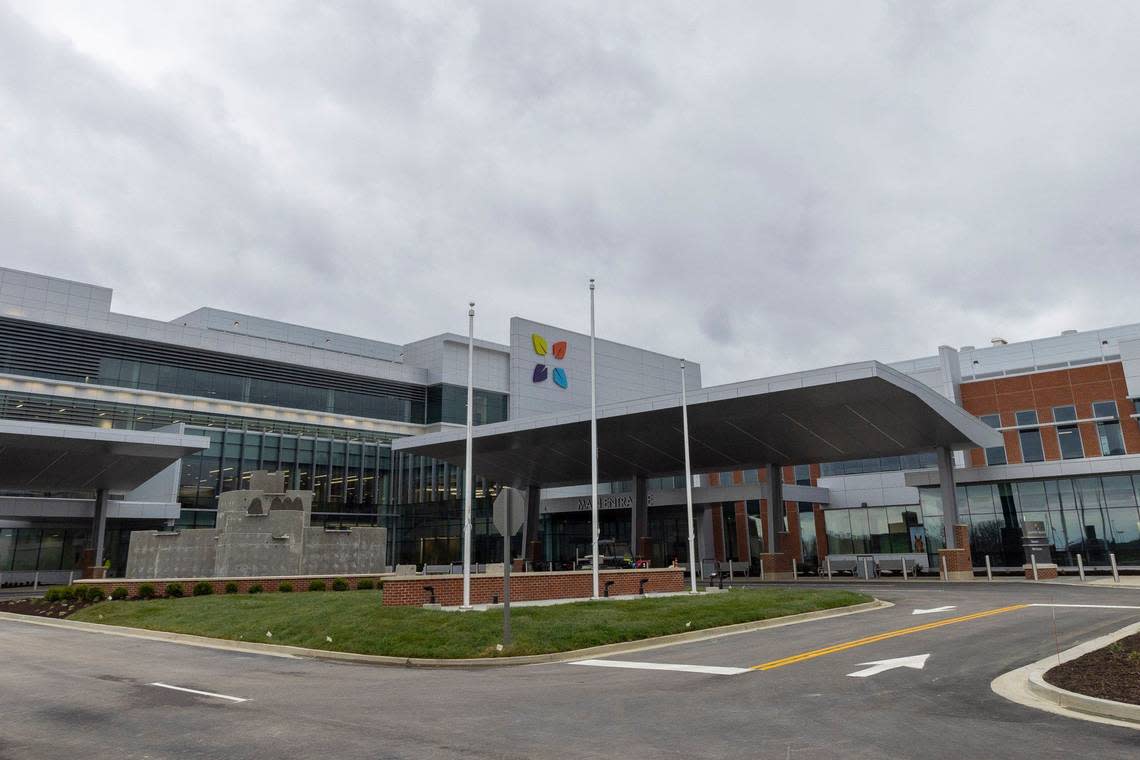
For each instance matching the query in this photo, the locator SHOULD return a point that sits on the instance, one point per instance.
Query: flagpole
(688, 485)
(467, 485)
(593, 446)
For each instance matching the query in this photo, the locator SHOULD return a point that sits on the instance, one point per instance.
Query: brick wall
(269, 585)
(574, 584)
(959, 560)
(1041, 391)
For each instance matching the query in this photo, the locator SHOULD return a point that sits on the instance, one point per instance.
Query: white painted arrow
(916, 662)
(947, 608)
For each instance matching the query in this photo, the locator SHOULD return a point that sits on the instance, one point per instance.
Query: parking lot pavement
(72, 693)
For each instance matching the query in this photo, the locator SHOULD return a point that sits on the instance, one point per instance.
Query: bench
(437, 569)
(840, 566)
(902, 566)
(405, 569)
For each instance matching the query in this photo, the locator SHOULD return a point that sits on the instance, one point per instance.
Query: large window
(879, 464)
(995, 454)
(1090, 516)
(1068, 437)
(169, 378)
(1108, 430)
(448, 403)
(1030, 439)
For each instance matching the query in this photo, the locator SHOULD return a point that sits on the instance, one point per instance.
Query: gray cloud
(761, 187)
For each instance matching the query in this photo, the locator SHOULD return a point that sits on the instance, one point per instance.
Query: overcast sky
(759, 186)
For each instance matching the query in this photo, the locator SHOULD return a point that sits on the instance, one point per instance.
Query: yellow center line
(882, 637)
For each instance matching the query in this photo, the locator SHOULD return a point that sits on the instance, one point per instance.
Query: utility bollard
(761, 569)
(945, 572)
(795, 574)
(829, 568)
(1033, 560)
(1081, 568)
(36, 581)
(1115, 572)
(904, 568)
(989, 570)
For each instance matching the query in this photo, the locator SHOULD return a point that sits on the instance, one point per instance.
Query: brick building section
(574, 584)
(789, 541)
(268, 585)
(1041, 391)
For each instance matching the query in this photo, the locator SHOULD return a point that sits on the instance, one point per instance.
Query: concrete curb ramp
(282, 650)
(1027, 686)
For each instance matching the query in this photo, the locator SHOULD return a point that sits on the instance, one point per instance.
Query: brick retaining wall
(573, 584)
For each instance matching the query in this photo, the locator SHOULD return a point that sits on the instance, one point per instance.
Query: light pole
(593, 445)
(467, 468)
(688, 486)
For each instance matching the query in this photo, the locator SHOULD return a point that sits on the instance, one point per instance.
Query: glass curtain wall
(1091, 516)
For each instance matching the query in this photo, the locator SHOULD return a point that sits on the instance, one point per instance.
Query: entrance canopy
(853, 411)
(48, 457)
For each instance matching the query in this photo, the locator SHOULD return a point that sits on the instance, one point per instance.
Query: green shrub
(365, 584)
(89, 594)
(202, 588)
(285, 587)
(256, 588)
(340, 584)
(174, 590)
(146, 591)
(316, 585)
(58, 594)
(119, 593)
(231, 587)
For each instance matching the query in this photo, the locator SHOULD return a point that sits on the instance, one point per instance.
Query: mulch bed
(40, 608)
(1109, 673)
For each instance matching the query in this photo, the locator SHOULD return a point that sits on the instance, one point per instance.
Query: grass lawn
(356, 622)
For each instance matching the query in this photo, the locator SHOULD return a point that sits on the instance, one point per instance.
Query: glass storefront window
(980, 499)
(1124, 527)
(1118, 491)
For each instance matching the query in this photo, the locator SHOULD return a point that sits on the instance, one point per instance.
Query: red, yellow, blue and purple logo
(558, 351)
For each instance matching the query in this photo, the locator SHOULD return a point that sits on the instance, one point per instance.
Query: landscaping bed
(1112, 672)
(43, 608)
(355, 621)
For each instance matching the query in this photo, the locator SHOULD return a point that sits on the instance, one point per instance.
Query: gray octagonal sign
(510, 500)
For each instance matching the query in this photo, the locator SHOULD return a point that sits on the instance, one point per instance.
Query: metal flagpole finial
(591, 283)
(471, 311)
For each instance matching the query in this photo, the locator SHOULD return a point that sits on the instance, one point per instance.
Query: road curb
(284, 650)
(1027, 686)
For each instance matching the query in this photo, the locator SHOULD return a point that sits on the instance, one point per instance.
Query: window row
(1110, 437)
(167, 378)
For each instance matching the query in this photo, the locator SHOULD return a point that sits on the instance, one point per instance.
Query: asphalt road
(76, 694)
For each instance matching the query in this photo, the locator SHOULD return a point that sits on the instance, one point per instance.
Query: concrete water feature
(261, 531)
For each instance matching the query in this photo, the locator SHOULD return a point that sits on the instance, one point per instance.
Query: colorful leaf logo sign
(539, 344)
(541, 372)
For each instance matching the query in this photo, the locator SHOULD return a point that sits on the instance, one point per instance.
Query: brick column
(959, 562)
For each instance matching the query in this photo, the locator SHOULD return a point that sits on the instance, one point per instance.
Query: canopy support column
(949, 495)
(775, 505)
(639, 520)
(99, 526)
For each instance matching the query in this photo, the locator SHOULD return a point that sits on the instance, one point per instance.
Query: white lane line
(195, 691)
(1091, 606)
(947, 608)
(714, 670)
